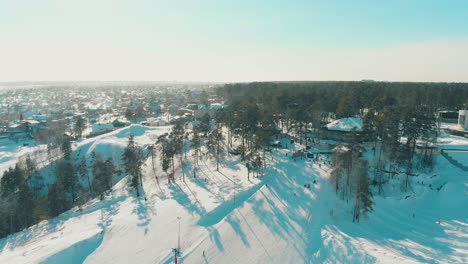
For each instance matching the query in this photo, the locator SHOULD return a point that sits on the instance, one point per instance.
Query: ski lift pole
(175, 255)
(178, 237)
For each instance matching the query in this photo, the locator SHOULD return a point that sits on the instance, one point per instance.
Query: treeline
(298, 107)
(358, 95)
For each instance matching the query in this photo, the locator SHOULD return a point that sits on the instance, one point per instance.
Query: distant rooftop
(346, 124)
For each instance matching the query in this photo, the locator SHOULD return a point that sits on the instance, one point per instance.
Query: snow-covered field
(225, 218)
(11, 152)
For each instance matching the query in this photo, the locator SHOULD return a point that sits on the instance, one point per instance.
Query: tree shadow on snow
(143, 210)
(424, 243)
(184, 200)
(235, 224)
(214, 236)
(196, 208)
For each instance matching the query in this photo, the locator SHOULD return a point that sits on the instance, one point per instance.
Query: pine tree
(152, 150)
(215, 140)
(167, 151)
(109, 171)
(80, 125)
(133, 159)
(67, 176)
(57, 203)
(205, 124)
(83, 173)
(350, 177)
(33, 176)
(25, 206)
(196, 144)
(177, 136)
(66, 148)
(11, 180)
(363, 195)
(99, 185)
(4, 220)
(344, 107)
(18, 199)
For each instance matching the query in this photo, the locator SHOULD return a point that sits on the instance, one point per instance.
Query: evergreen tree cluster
(26, 199)
(17, 201)
(133, 159)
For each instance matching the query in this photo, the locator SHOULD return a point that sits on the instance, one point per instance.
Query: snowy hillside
(225, 218)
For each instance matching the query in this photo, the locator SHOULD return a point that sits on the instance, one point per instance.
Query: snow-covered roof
(195, 123)
(30, 114)
(39, 117)
(346, 124)
(32, 122)
(341, 148)
(217, 106)
(214, 106)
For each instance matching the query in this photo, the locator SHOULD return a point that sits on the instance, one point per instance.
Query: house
(172, 109)
(461, 126)
(211, 110)
(192, 106)
(100, 128)
(154, 107)
(193, 125)
(180, 98)
(33, 125)
(461, 129)
(30, 114)
(18, 131)
(345, 129)
(185, 111)
(448, 116)
(463, 120)
(153, 121)
(120, 122)
(320, 149)
(40, 117)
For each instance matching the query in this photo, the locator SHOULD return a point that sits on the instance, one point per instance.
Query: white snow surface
(11, 152)
(346, 124)
(269, 219)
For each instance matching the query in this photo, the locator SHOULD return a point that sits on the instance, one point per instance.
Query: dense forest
(358, 94)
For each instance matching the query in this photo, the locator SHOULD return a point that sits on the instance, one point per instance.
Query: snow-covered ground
(447, 141)
(270, 219)
(11, 152)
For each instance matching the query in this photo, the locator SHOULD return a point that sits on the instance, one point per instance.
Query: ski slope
(269, 219)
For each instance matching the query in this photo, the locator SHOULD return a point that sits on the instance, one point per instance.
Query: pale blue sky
(239, 40)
